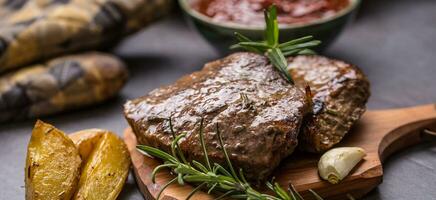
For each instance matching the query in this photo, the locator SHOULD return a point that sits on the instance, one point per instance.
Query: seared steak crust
(340, 92)
(259, 113)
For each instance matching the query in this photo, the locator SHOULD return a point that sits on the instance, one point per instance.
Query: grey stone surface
(394, 42)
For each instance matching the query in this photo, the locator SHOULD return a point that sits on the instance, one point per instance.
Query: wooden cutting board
(380, 133)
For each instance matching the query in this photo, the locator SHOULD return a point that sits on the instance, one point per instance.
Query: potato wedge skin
(52, 164)
(105, 171)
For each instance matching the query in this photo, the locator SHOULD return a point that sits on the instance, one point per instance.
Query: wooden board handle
(405, 127)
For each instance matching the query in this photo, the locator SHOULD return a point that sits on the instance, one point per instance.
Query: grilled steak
(339, 91)
(259, 113)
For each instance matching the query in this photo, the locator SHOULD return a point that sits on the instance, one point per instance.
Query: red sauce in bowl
(250, 12)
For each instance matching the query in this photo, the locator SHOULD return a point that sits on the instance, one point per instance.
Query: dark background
(393, 41)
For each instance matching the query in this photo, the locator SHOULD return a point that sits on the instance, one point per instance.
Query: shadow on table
(130, 190)
(71, 117)
(145, 63)
(403, 174)
(374, 7)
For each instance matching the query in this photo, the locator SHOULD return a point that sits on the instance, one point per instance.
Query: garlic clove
(335, 164)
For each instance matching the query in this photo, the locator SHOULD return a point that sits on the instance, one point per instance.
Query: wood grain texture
(380, 133)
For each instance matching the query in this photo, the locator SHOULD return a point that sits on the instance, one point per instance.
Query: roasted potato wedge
(90, 164)
(106, 164)
(85, 141)
(52, 165)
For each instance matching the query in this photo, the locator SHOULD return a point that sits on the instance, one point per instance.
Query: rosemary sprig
(271, 47)
(213, 177)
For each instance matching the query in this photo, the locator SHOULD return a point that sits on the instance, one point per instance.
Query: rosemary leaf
(270, 186)
(175, 149)
(306, 52)
(229, 164)
(180, 179)
(222, 169)
(224, 195)
(257, 45)
(186, 169)
(197, 178)
(176, 145)
(317, 197)
(291, 52)
(279, 61)
(156, 153)
(200, 166)
(296, 41)
(212, 188)
(240, 196)
(241, 174)
(272, 28)
(294, 193)
(270, 47)
(195, 190)
(165, 187)
(304, 45)
(157, 169)
(281, 193)
(216, 178)
(242, 38)
(203, 146)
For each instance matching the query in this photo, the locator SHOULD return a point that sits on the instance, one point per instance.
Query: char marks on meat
(340, 92)
(258, 111)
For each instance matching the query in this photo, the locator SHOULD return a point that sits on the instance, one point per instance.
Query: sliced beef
(258, 112)
(340, 92)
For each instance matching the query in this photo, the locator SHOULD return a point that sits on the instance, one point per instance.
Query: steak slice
(340, 92)
(258, 112)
